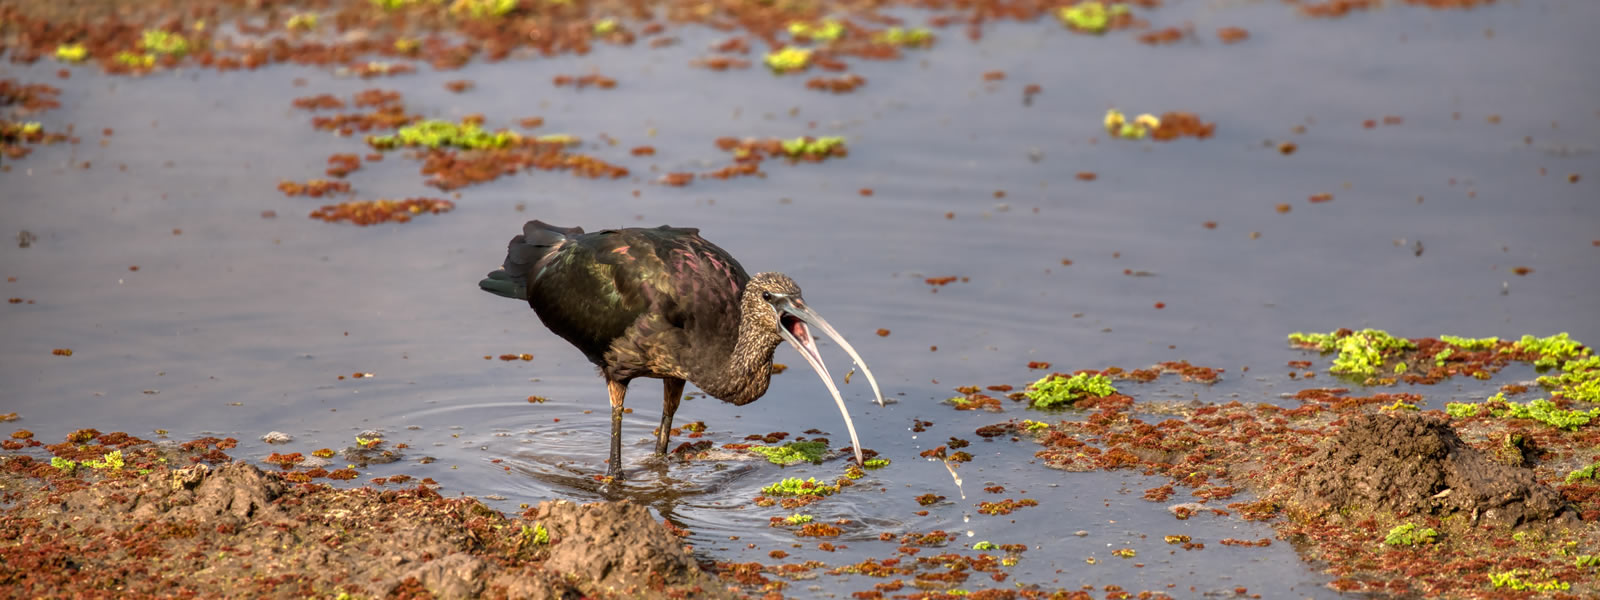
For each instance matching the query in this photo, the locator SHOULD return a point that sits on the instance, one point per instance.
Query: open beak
(796, 320)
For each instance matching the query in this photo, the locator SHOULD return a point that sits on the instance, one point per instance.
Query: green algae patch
(797, 519)
(1091, 17)
(436, 134)
(1526, 580)
(1579, 380)
(535, 535)
(1541, 410)
(1361, 353)
(1470, 343)
(1140, 127)
(164, 42)
(1545, 411)
(134, 59)
(1375, 357)
(794, 486)
(1583, 474)
(482, 9)
(301, 22)
(793, 452)
(817, 147)
(789, 59)
(1056, 390)
(826, 31)
(896, 36)
(1552, 350)
(71, 52)
(1408, 534)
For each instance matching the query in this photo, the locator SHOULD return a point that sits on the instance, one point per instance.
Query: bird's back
(593, 288)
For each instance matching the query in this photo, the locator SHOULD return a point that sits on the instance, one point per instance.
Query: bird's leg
(618, 390)
(672, 392)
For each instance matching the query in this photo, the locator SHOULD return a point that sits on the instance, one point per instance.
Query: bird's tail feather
(538, 239)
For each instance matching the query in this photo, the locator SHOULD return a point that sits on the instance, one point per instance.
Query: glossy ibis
(664, 303)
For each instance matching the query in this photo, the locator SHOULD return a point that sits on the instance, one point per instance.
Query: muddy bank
(1408, 464)
(118, 529)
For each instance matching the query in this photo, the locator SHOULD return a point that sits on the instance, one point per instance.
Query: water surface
(240, 324)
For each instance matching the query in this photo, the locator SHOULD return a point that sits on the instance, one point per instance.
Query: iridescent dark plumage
(662, 303)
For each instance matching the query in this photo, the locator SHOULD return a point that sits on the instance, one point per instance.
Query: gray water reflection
(243, 324)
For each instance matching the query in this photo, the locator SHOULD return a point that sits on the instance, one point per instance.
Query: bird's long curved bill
(795, 330)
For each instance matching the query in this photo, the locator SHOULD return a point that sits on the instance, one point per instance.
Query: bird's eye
(766, 296)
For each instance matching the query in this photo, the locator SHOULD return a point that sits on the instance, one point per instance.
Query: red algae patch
(1387, 497)
(373, 212)
(842, 84)
(583, 81)
(1232, 35)
(315, 188)
(17, 137)
(1176, 125)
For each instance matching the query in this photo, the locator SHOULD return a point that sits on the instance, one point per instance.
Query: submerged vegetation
(793, 452)
(437, 134)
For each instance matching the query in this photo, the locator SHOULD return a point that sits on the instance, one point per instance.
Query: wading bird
(664, 303)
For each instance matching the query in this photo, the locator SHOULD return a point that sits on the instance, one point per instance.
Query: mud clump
(1409, 464)
(233, 530)
(616, 544)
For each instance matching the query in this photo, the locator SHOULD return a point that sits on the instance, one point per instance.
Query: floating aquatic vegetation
(1514, 579)
(71, 52)
(1408, 534)
(1584, 473)
(373, 212)
(1118, 125)
(1543, 411)
(436, 133)
(301, 22)
(1360, 352)
(826, 31)
(164, 42)
(1553, 349)
(1059, 390)
(479, 9)
(794, 486)
(788, 60)
(135, 59)
(1470, 343)
(1093, 16)
(793, 452)
(808, 146)
(896, 36)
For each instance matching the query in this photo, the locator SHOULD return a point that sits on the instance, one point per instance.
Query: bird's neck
(738, 373)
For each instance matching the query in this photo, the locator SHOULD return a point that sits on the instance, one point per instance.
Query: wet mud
(234, 530)
(1409, 464)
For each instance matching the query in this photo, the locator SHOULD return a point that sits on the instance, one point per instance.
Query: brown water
(242, 325)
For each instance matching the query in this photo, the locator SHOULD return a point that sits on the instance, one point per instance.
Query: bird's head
(775, 300)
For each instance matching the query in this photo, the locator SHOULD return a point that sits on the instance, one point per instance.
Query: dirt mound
(236, 531)
(1406, 463)
(616, 544)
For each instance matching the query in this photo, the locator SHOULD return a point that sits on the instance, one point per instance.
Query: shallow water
(242, 325)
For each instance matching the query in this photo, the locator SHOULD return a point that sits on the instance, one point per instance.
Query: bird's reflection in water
(661, 484)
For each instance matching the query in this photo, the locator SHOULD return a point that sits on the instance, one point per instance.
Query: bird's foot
(614, 473)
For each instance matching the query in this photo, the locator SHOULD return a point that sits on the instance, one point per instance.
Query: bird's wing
(574, 287)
